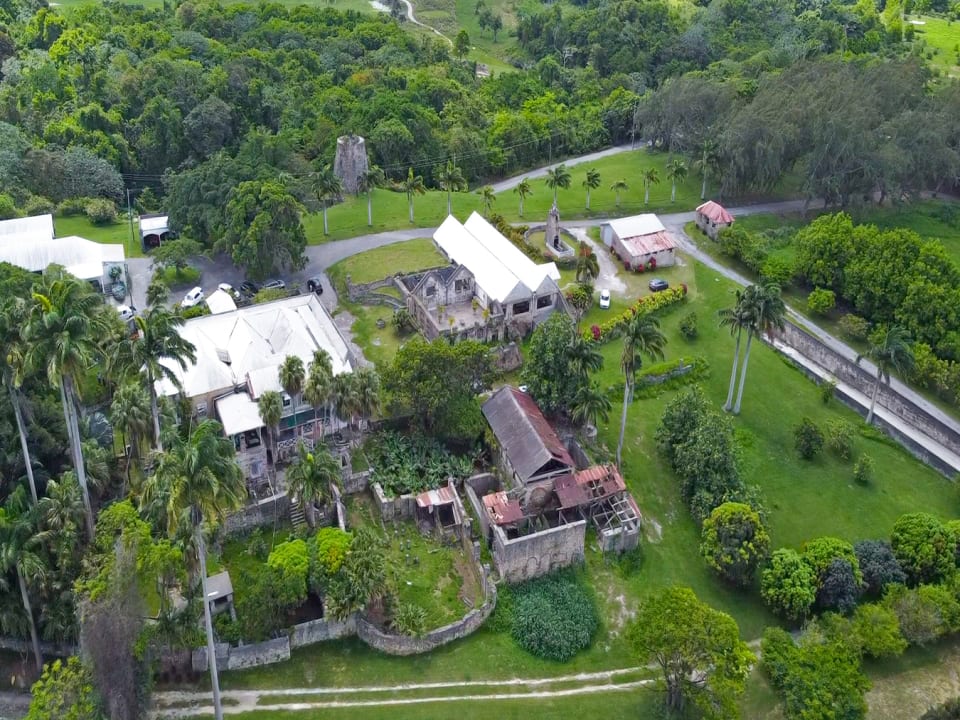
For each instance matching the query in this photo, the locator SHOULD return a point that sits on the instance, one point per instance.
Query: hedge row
(644, 306)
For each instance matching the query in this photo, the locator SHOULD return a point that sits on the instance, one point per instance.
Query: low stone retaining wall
(46, 648)
(356, 482)
(322, 630)
(275, 508)
(397, 508)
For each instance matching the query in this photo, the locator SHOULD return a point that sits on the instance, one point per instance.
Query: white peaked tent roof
(36, 227)
(637, 225)
(80, 257)
(154, 224)
(254, 341)
(500, 269)
(220, 302)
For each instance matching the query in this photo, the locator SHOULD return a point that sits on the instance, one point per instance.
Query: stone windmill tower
(351, 162)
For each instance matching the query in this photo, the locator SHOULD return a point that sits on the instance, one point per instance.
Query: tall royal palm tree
(707, 164)
(61, 335)
(642, 337)
(523, 189)
(367, 384)
(319, 383)
(201, 482)
(346, 399)
(310, 477)
(292, 377)
(769, 313)
(488, 197)
(889, 351)
(591, 182)
(591, 405)
(370, 181)
(130, 414)
(676, 172)
(270, 406)
(158, 344)
(588, 266)
(650, 177)
(558, 178)
(20, 551)
(451, 180)
(326, 186)
(413, 186)
(737, 319)
(12, 316)
(618, 187)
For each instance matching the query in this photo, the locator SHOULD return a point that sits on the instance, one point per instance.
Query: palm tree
(157, 345)
(292, 377)
(642, 337)
(523, 189)
(201, 482)
(130, 413)
(676, 172)
(889, 351)
(488, 197)
(558, 178)
(737, 318)
(591, 182)
(591, 405)
(346, 399)
(61, 335)
(707, 163)
(367, 384)
(588, 267)
(618, 187)
(319, 383)
(451, 180)
(310, 477)
(19, 545)
(326, 186)
(650, 177)
(412, 186)
(583, 356)
(769, 312)
(368, 182)
(270, 406)
(11, 372)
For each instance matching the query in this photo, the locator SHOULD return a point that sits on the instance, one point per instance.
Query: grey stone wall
(476, 487)
(618, 540)
(397, 508)
(322, 630)
(350, 162)
(200, 657)
(268, 511)
(539, 553)
(47, 648)
(858, 377)
(265, 653)
(356, 482)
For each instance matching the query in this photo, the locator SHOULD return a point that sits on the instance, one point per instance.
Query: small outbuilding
(641, 242)
(712, 218)
(220, 594)
(154, 229)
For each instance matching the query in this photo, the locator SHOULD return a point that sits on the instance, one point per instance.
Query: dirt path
(608, 279)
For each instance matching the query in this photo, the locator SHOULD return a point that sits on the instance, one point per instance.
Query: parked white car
(228, 289)
(604, 299)
(194, 297)
(126, 312)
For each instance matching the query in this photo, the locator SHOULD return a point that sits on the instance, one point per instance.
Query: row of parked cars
(247, 290)
(655, 285)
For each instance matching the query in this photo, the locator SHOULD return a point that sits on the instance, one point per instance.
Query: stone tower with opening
(351, 162)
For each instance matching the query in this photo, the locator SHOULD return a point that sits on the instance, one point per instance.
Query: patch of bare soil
(910, 693)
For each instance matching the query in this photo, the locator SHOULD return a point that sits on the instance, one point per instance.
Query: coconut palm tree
(642, 337)
(737, 318)
(19, 551)
(523, 189)
(130, 414)
(326, 186)
(707, 164)
(368, 182)
(451, 180)
(346, 398)
(889, 351)
(591, 182)
(201, 482)
(588, 267)
(618, 187)
(650, 177)
(591, 405)
(412, 186)
(488, 197)
(12, 315)
(583, 356)
(292, 377)
(676, 172)
(319, 383)
(270, 406)
(367, 383)
(310, 477)
(769, 313)
(558, 178)
(61, 334)
(156, 346)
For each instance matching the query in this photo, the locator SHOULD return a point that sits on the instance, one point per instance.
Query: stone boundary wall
(358, 482)
(321, 630)
(46, 648)
(403, 507)
(538, 553)
(859, 378)
(476, 487)
(275, 508)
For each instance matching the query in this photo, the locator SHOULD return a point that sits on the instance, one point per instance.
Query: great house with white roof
(238, 358)
(490, 290)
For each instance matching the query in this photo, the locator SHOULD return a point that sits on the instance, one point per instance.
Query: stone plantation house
(238, 358)
(490, 291)
(712, 218)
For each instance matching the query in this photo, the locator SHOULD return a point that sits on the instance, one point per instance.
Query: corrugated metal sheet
(715, 212)
(523, 432)
(501, 509)
(645, 224)
(440, 496)
(649, 244)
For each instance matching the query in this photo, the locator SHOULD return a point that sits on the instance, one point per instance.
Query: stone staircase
(297, 516)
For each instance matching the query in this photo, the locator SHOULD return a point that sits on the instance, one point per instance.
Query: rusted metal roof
(440, 496)
(649, 244)
(529, 441)
(501, 509)
(586, 486)
(715, 212)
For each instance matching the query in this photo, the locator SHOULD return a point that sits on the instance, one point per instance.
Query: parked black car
(315, 285)
(658, 285)
(249, 288)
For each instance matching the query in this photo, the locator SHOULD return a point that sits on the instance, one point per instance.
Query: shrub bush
(924, 547)
(854, 327)
(878, 566)
(840, 436)
(73, 206)
(863, 470)
(291, 563)
(777, 270)
(554, 616)
(688, 326)
(808, 439)
(38, 205)
(645, 305)
(195, 311)
(821, 301)
(101, 211)
(827, 389)
(409, 619)
(8, 208)
(734, 542)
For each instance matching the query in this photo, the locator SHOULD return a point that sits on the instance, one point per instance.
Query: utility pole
(130, 218)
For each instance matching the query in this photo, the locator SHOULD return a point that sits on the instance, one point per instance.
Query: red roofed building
(641, 241)
(712, 218)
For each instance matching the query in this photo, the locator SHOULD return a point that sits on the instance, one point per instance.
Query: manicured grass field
(379, 345)
(942, 38)
(380, 263)
(118, 232)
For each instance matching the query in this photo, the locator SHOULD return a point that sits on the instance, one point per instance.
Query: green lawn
(943, 40)
(379, 345)
(118, 232)
(400, 258)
